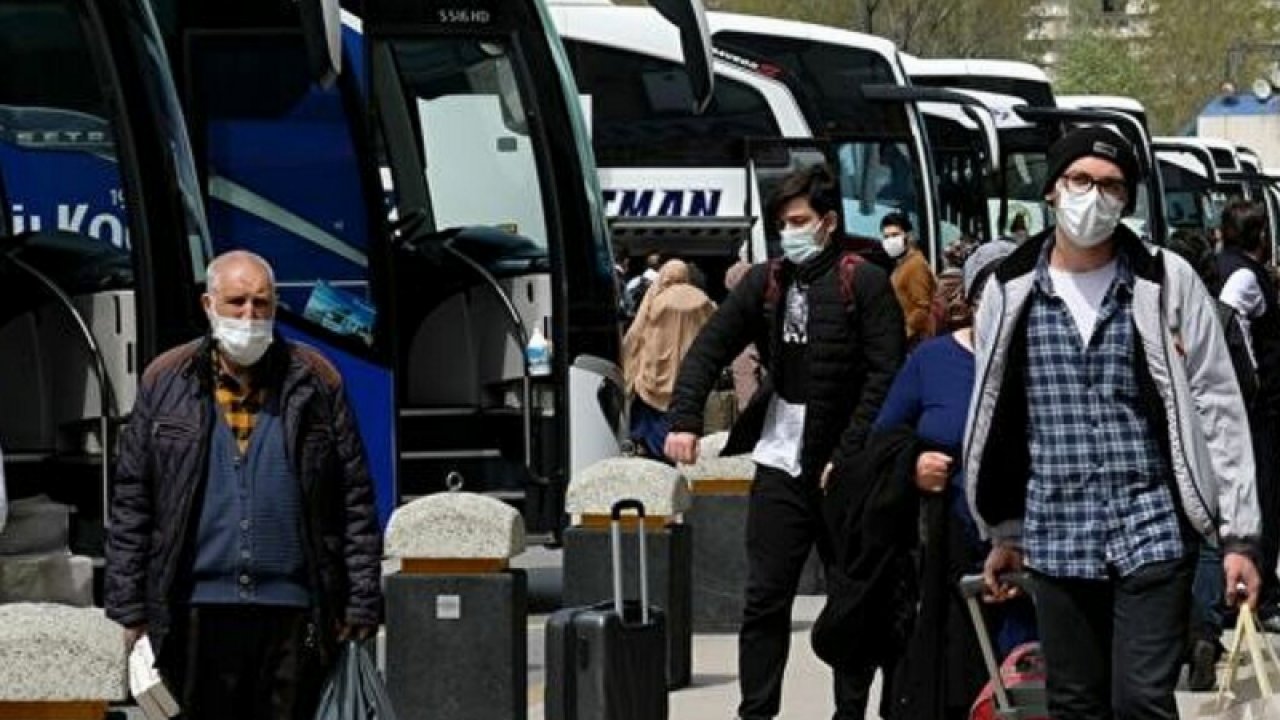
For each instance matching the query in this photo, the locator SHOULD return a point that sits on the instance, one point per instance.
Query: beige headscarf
(669, 318)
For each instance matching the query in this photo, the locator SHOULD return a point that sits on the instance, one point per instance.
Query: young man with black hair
(913, 280)
(829, 332)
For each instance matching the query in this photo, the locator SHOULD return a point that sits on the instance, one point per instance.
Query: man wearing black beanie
(1107, 437)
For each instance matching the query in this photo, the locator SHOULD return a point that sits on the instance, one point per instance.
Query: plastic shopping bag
(1235, 699)
(355, 690)
(145, 684)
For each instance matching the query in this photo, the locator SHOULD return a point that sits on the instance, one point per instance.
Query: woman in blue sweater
(931, 395)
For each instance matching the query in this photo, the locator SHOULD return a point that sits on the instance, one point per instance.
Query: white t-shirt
(1242, 293)
(782, 437)
(1083, 293)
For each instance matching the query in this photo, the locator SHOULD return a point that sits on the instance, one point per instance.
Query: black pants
(784, 522)
(248, 663)
(1265, 430)
(1114, 647)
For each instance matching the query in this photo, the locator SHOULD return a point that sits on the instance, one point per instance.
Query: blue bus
(428, 210)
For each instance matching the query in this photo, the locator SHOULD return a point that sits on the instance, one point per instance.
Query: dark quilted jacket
(161, 468)
(856, 339)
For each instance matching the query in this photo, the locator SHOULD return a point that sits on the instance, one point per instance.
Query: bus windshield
(879, 169)
(57, 143)
(481, 161)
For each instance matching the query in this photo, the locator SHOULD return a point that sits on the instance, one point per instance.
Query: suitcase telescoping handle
(615, 544)
(973, 587)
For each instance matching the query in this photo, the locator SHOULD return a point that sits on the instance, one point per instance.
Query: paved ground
(714, 692)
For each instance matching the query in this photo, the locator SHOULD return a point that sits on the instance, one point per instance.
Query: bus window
(283, 176)
(876, 179)
(57, 145)
(1024, 177)
(642, 112)
(480, 158)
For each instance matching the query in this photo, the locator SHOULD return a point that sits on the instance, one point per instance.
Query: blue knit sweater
(249, 542)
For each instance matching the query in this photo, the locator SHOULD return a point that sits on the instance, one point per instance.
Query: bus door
(499, 238)
(103, 224)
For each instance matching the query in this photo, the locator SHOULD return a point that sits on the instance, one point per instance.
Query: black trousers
(1265, 429)
(248, 663)
(1114, 647)
(784, 522)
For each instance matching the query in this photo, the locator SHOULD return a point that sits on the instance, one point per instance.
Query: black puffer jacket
(161, 469)
(855, 348)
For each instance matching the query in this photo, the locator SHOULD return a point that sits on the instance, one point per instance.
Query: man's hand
(352, 631)
(682, 447)
(1240, 571)
(932, 471)
(1003, 558)
(132, 635)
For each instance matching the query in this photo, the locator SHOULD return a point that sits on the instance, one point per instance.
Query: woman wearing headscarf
(670, 316)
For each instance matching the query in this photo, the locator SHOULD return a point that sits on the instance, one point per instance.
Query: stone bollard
(59, 662)
(457, 614)
(721, 488)
(588, 579)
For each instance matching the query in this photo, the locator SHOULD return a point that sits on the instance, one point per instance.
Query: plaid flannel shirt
(1098, 498)
(240, 405)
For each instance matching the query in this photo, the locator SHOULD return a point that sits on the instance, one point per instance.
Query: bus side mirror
(695, 43)
(322, 33)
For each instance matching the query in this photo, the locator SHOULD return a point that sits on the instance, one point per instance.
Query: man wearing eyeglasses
(1106, 437)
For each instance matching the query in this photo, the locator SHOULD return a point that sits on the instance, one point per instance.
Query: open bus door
(1189, 179)
(103, 225)
(427, 213)
(987, 160)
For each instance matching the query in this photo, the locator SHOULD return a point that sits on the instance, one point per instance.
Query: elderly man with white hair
(243, 540)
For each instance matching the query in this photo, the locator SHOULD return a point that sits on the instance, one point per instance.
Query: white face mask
(895, 245)
(243, 341)
(1088, 218)
(800, 244)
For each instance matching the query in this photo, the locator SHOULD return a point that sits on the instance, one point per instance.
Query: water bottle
(538, 354)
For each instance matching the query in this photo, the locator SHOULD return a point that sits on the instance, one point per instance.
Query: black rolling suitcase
(609, 661)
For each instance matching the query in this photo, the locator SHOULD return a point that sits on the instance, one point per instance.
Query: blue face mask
(800, 244)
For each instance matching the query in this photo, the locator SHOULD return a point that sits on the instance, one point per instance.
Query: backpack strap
(849, 263)
(846, 268)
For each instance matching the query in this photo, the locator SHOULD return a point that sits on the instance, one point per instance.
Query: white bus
(787, 94)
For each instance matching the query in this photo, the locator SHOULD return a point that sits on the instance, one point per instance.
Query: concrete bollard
(53, 577)
(721, 488)
(457, 614)
(59, 662)
(588, 579)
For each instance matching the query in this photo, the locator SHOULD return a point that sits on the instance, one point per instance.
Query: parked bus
(787, 94)
(104, 247)
(427, 212)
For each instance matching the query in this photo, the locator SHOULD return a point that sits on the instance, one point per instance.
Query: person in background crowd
(1204, 645)
(913, 280)
(953, 310)
(746, 367)
(669, 318)
(930, 395)
(829, 332)
(635, 289)
(1097, 356)
(243, 540)
(1018, 228)
(1248, 289)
